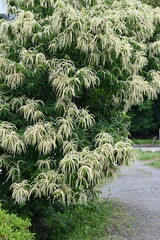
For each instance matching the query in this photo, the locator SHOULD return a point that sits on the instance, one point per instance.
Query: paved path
(138, 187)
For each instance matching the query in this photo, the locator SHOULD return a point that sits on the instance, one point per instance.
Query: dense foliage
(69, 72)
(13, 227)
(146, 120)
(95, 221)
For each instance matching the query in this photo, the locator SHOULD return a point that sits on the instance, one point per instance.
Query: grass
(147, 155)
(145, 141)
(97, 221)
(155, 164)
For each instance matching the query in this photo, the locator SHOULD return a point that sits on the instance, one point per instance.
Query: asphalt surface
(138, 187)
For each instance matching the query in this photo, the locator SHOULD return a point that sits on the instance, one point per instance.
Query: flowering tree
(65, 65)
(154, 3)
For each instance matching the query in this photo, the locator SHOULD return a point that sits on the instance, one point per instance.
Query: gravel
(138, 188)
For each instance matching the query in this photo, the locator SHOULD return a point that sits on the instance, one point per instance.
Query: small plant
(14, 228)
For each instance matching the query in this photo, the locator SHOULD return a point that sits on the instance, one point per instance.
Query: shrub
(13, 227)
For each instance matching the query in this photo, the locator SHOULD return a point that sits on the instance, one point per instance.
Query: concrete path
(138, 187)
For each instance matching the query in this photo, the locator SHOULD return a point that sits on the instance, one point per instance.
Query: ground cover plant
(155, 164)
(69, 72)
(145, 141)
(147, 155)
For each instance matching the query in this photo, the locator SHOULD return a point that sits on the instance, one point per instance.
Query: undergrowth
(96, 221)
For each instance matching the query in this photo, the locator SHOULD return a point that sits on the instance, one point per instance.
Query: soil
(138, 189)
